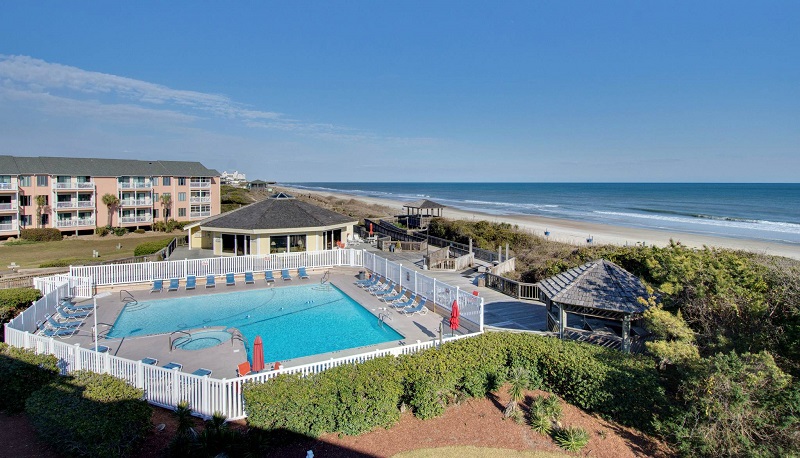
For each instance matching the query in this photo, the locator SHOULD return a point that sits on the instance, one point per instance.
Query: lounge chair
(379, 285)
(64, 332)
(243, 369)
(301, 272)
(59, 325)
(366, 283)
(230, 280)
(172, 365)
(100, 349)
(149, 361)
(285, 275)
(202, 372)
(391, 298)
(72, 307)
(191, 282)
(158, 285)
(211, 281)
(268, 277)
(382, 292)
(401, 304)
(67, 315)
(248, 278)
(174, 284)
(419, 309)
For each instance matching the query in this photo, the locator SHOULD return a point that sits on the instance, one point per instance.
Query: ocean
(766, 212)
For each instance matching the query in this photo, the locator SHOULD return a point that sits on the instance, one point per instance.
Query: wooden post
(626, 334)
(562, 320)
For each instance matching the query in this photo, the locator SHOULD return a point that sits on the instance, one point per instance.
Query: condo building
(68, 193)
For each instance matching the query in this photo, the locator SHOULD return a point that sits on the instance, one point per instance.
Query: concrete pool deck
(223, 359)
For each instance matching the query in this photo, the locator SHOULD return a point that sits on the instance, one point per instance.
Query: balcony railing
(199, 214)
(8, 206)
(136, 202)
(73, 185)
(134, 185)
(85, 204)
(9, 227)
(8, 186)
(136, 219)
(75, 204)
(77, 222)
(200, 200)
(199, 184)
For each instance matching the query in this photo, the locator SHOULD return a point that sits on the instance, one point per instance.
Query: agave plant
(571, 438)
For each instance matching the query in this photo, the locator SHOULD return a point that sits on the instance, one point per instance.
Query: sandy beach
(577, 232)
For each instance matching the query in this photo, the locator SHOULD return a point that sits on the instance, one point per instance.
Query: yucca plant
(552, 407)
(571, 438)
(518, 378)
(545, 413)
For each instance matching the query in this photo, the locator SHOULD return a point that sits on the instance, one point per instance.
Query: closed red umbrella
(454, 317)
(258, 355)
(370, 229)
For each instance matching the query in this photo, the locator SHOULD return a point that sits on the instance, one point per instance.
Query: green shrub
(571, 439)
(59, 263)
(159, 226)
(102, 231)
(21, 373)
(90, 415)
(151, 247)
(120, 231)
(139, 231)
(14, 300)
(49, 234)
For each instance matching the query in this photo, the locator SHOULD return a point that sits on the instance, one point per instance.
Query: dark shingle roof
(424, 203)
(597, 284)
(86, 166)
(281, 213)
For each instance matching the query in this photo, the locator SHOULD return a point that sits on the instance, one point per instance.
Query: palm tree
(41, 203)
(112, 202)
(166, 203)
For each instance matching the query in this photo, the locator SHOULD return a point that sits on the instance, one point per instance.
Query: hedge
(14, 300)
(21, 373)
(354, 399)
(146, 248)
(90, 414)
(49, 234)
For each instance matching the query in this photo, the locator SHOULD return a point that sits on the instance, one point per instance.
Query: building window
(181, 212)
(155, 213)
(166, 181)
(25, 180)
(182, 181)
(155, 181)
(41, 180)
(155, 197)
(24, 201)
(26, 220)
(45, 219)
(181, 197)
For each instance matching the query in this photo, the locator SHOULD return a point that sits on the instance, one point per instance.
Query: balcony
(199, 214)
(200, 184)
(200, 200)
(77, 222)
(135, 184)
(73, 185)
(8, 206)
(136, 202)
(8, 187)
(9, 227)
(74, 204)
(136, 219)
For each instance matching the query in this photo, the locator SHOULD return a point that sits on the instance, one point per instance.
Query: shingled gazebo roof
(424, 203)
(600, 285)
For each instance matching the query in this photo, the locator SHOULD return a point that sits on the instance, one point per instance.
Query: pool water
(201, 339)
(292, 321)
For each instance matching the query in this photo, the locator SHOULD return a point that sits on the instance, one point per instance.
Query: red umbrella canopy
(454, 316)
(258, 355)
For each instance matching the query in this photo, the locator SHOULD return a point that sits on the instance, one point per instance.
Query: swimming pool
(293, 321)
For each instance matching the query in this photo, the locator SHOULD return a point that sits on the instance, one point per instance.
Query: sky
(585, 91)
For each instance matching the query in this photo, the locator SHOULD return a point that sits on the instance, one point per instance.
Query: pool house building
(278, 224)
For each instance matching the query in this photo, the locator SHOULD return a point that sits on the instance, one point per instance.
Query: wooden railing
(513, 288)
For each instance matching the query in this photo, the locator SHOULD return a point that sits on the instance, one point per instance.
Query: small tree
(166, 204)
(112, 202)
(41, 205)
(519, 380)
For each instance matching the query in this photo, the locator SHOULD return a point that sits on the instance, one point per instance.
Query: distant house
(234, 178)
(258, 184)
(278, 224)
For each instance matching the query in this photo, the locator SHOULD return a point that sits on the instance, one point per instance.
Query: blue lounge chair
(67, 315)
(72, 307)
(382, 292)
(379, 285)
(172, 365)
(191, 282)
(202, 372)
(230, 280)
(419, 309)
(149, 361)
(285, 275)
(210, 281)
(174, 284)
(391, 298)
(366, 283)
(59, 325)
(406, 303)
(100, 348)
(158, 285)
(268, 277)
(248, 278)
(301, 272)
(65, 332)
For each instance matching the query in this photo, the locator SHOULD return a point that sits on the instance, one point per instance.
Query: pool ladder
(127, 298)
(382, 318)
(172, 341)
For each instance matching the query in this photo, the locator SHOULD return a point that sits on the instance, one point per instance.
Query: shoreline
(577, 232)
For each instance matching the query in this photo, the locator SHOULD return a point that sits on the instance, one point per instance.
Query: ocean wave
(771, 226)
(695, 215)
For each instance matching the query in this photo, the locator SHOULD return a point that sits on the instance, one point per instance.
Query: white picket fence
(206, 395)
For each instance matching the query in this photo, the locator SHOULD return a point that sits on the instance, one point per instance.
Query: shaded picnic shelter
(424, 207)
(600, 290)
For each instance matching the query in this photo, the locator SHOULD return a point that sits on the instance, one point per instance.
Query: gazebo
(424, 207)
(598, 289)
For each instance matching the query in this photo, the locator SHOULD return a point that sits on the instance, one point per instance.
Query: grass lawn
(76, 251)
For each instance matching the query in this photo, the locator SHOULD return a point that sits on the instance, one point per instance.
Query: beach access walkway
(500, 311)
